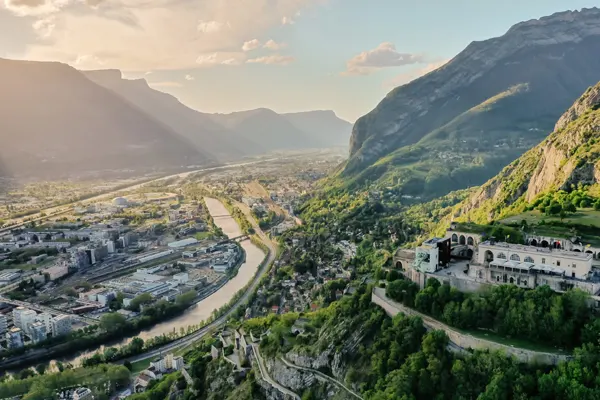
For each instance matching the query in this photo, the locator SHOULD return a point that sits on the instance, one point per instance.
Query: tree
(113, 322)
(26, 373)
(127, 364)
(137, 301)
(187, 298)
(41, 368)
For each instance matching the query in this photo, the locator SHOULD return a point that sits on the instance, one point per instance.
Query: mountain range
(461, 124)
(58, 121)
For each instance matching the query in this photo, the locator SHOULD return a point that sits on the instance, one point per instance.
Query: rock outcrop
(569, 156)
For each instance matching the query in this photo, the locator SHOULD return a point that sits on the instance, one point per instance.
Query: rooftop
(538, 250)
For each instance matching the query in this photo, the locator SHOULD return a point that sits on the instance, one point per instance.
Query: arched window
(454, 238)
(533, 242)
(501, 256)
(489, 256)
(462, 239)
(529, 259)
(399, 265)
(470, 241)
(515, 257)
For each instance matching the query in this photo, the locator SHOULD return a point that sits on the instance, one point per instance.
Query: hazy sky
(288, 55)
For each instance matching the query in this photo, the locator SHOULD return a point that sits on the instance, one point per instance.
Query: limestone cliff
(569, 156)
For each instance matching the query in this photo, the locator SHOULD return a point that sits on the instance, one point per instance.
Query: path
(323, 377)
(267, 378)
(460, 341)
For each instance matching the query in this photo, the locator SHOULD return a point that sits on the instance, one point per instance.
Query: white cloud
(45, 26)
(89, 61)
(210, 26)
(251, 45)
(383, 56)
(189, 77)
(142, 35)
(273, 45)
(413, 74)
(287, 21)
(220, 58)
(272, 60)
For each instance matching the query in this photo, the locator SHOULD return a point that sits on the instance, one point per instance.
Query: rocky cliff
(495, 99)
(568, 156)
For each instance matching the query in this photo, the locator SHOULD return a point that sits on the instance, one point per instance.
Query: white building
(83, 393)
(61, 325)
(182, 277)
(14, 338)
(572, 264)
(106, 297)
(46, 319)
(183, 243)
(23, 318)
(3, 324)
(37, 332)
(168, 363)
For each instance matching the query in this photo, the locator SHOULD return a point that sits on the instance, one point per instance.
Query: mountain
(322, 127)
(229, 136)
(56, 121)
(460, 124)
(271, 130)
(198, 128)
(569, 156)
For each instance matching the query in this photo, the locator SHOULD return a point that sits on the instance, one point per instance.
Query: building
(181, 277)
(183, 243)
(56, 272)
(23, 318)
(168, 363)
(432, 254)
(61, 325)
(105, 297)
(14, 338)
(37, 332)
(570, 263)
(46, 319)
(3, 324)
(82, 393)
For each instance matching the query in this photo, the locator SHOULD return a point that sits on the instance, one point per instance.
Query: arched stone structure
(515, 257)
(399, 265)
(462, 240)
(470, 241)
(545, 243)
(533, 242)
(454, 238)
(489, 256)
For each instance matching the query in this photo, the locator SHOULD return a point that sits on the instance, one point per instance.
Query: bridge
(240, 238)
(45, 309)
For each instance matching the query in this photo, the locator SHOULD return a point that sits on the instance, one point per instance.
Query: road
(185, 341)
(65, 208)
(321, 376)
(266, 377)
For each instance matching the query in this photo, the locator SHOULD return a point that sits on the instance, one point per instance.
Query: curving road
(267, 378)
(321, 376)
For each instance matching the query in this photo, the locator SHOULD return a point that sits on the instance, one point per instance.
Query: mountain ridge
(556, 57)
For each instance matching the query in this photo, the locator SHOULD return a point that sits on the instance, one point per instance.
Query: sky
(287, 55)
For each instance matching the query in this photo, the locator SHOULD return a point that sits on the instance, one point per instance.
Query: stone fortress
(470, 262)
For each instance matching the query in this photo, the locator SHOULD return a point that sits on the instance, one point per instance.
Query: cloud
(45, 26)
(383, 56)
(413, 74)
(287, 21)
(142, 35)
(165, 84)
(272, 60)
(210, 26)
(24, 8)
(189, 77)
(273, 45)
(221, 58)
(251, 45)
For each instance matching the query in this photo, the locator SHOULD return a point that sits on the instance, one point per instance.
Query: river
(203, 310)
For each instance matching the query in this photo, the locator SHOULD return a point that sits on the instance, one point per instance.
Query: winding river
(204, 308)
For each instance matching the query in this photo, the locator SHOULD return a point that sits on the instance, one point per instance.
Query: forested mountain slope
(459, 125)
